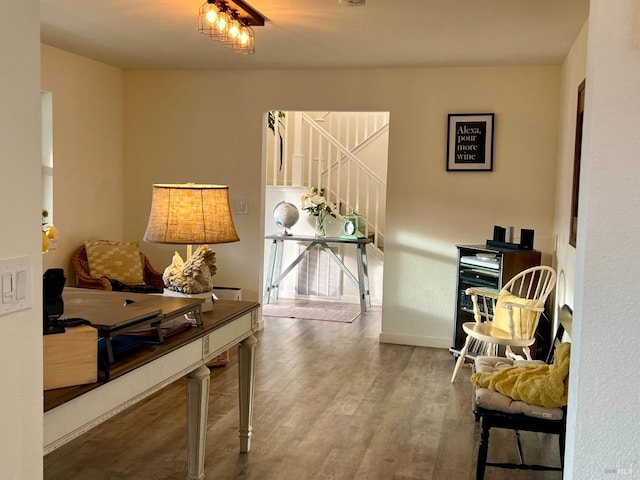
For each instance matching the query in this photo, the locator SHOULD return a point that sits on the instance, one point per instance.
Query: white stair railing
(347, 181)
(352, 129)
(322, 160)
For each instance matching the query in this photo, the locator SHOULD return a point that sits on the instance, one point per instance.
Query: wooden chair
(84, 280)
(509, 317)
(494, 412)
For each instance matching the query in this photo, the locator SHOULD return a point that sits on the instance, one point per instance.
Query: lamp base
(207, 306)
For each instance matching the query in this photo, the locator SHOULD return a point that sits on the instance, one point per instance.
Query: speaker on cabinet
(499, 233)
(526, 239)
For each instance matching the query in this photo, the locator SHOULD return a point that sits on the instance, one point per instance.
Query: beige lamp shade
(190, 214)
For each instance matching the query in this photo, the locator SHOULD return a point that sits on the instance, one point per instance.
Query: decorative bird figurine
(193, 276)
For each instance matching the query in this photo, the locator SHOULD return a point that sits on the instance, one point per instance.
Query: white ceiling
(320, 33)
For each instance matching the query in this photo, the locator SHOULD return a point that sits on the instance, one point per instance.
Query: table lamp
(191, 214)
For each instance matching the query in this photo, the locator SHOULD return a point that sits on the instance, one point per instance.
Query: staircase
(343, 154)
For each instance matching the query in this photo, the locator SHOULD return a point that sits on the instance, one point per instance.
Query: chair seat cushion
(544, 385)
(493, 400)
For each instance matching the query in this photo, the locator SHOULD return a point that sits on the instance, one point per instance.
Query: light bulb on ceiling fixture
(223, 19)
(243, 38)
(207, 16)
(212, 15)
(244, 43)
(233, 30)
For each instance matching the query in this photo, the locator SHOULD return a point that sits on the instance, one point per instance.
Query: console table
(69, 412)
(275, 274)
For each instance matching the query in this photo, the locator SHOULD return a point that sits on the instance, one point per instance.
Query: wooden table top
(224, 311)
(309, 238)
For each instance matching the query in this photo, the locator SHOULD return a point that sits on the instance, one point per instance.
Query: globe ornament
(285, 215)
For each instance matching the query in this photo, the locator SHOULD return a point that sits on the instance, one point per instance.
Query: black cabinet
(486, 267)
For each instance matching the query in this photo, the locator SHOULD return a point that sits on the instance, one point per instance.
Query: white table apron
(78, 415)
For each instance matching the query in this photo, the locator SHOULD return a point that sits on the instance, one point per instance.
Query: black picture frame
(470, 142)
(577, 156)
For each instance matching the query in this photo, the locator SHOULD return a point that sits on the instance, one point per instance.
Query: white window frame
(46, 105)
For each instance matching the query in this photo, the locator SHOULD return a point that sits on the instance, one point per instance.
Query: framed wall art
(470, 142)
(577, 155)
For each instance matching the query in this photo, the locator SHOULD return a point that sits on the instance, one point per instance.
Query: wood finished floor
(331, 402)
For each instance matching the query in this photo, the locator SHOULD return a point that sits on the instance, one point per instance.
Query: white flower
(316, 204)
(318, 200)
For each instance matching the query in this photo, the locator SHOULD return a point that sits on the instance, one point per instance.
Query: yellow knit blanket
(543, 385)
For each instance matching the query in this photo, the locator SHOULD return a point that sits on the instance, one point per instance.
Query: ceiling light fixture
(351, 3)
(230, 22)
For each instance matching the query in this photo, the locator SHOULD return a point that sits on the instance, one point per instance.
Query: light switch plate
(8, 287)
(15, 277)
(242, 208)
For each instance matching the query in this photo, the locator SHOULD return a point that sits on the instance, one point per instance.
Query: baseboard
(375, 301)
(414, 341)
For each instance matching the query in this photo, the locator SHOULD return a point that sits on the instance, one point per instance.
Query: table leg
(277, 269)
(268, 283)
(363, 277)
(197, 410)
(246, 364)
(107, 343)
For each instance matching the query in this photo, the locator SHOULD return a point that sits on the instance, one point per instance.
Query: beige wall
(573, 73)
(207, 126)
(430, 210)
(21, 338)
(603, 384)
(88, 114)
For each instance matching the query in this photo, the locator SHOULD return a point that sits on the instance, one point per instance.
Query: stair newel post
(338, 180)
(367, 206)
(318, 181)
(297, 159)
(357, 202)
(328, 169)
(284, 150)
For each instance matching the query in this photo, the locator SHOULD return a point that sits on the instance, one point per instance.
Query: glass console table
(275, 275)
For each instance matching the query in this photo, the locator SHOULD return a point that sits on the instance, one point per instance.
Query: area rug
(325, 312)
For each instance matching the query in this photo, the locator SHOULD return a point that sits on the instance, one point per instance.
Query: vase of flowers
(320, 226)
(318, 206)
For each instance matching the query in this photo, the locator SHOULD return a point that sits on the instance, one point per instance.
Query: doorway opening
(340, 158)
